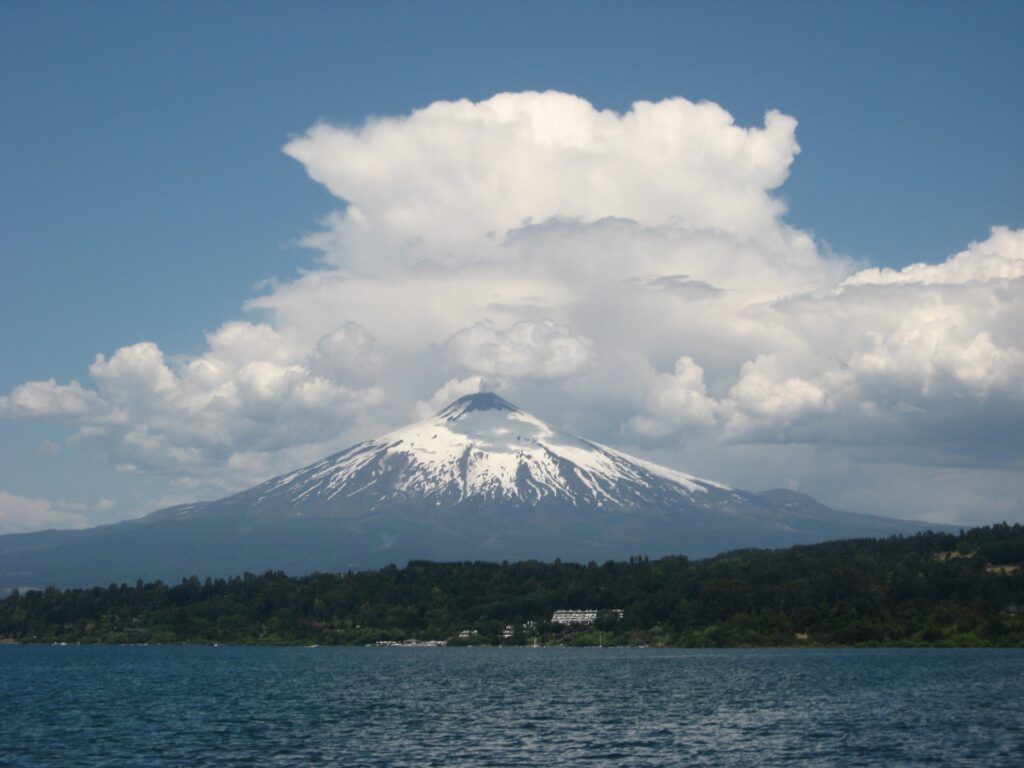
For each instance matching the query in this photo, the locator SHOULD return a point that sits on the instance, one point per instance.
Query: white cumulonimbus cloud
(542, 349)
(633, 272)
(449, 173)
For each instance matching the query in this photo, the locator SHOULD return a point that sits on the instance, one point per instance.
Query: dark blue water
(176, 706)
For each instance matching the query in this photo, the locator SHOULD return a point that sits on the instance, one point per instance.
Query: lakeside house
(584, 616)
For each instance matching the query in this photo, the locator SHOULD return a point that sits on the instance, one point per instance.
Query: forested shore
(932, 589)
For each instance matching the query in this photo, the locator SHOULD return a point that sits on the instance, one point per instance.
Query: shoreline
(561, 646)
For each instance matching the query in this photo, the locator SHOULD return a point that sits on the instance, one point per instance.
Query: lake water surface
(199, 706)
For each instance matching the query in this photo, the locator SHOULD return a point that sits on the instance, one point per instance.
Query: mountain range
(481, 480)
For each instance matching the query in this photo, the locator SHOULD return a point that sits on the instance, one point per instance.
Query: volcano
(481, 480)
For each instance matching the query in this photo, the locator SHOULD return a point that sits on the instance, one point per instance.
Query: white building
(584, 616)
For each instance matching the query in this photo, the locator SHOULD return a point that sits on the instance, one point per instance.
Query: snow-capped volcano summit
(481, 480)
(482, 447)
(481, 401)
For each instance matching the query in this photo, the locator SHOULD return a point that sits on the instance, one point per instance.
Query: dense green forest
(928, 589)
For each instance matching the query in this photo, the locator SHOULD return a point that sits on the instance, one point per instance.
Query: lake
(235, 706)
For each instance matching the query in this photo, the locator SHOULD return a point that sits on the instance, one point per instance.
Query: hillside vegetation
(928, 589)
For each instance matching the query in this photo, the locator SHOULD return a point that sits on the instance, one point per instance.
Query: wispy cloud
(21, 513)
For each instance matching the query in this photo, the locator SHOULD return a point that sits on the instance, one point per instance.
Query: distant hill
(481, 480)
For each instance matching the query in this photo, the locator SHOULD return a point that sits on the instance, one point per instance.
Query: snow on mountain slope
(482, 446)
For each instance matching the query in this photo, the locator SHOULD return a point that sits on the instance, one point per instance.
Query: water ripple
(175, 706)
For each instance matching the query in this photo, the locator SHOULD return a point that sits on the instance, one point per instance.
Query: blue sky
(145, 194)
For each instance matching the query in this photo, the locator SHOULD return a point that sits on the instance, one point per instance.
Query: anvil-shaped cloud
(631, 276)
